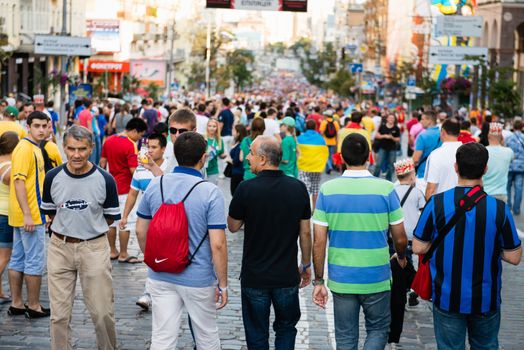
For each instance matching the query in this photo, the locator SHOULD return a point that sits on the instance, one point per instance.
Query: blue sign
(412, 81)
(356, 68)
(81, 91)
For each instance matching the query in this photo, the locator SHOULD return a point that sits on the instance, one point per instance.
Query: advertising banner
(104, 34)
(260, 5)
(96, 66)
(149, 71)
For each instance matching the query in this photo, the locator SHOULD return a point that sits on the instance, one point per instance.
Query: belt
(68, 239)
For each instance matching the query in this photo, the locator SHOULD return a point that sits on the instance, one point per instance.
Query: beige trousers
(90, 260)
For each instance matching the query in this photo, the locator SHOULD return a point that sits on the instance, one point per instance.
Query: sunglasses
(174, 131)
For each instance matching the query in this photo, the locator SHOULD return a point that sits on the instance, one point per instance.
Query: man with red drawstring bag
(181, 229)
(465, 234)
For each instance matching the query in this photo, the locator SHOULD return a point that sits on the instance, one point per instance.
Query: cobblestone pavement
(315, 330)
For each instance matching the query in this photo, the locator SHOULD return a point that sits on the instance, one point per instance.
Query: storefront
(105, 74)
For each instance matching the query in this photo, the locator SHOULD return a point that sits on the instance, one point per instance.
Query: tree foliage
(240, 62)
(317, 65)
(342, 83)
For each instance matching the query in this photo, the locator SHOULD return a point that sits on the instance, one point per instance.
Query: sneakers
(413, 299)
(144, 302)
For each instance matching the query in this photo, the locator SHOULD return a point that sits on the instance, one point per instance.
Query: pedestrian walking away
(269, 262)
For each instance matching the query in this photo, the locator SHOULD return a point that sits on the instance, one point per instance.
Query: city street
(315, 330)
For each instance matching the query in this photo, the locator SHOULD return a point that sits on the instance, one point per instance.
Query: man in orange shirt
(329, 128)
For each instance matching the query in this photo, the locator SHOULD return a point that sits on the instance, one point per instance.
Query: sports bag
(167, 242)
(422, 282)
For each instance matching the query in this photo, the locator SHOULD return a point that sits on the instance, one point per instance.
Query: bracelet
(222, 289)
(304, 267)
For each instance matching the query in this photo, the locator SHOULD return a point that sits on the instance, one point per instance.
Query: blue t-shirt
(205, 210)
(227, 118)
(427, 142)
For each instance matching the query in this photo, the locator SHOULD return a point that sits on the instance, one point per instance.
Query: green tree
(504, 98)
(341, 83)
(240, 63)
(153, 90)
(317, 66)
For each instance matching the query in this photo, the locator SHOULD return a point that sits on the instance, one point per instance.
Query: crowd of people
(155, 168)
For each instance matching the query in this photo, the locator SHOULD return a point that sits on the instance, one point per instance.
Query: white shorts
(131, 219)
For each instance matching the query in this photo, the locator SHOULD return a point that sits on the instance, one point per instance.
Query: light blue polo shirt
(427, 142)
(205, 210)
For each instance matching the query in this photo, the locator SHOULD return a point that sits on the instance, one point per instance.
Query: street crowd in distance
(73, 189)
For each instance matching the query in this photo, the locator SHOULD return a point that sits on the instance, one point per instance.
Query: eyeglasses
(174, 131)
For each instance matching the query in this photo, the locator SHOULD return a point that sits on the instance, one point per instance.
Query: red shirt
(411, 123)
(121, 155)
(317, 118)
(85, 118)
(465, 137)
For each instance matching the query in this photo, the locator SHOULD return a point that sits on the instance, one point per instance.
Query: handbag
(422, 283)
(228, 171)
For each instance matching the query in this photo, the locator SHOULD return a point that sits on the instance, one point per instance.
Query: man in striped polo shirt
(466, 267)
(355, 211)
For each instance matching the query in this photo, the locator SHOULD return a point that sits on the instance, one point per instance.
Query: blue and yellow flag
(313, 152)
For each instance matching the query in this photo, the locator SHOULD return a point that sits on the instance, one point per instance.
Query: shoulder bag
(422, 283)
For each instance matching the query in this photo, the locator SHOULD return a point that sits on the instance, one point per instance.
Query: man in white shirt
(440, 169)
(272, 126)
(201, 119)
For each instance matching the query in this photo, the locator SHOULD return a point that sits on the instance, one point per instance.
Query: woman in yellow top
(8, 142)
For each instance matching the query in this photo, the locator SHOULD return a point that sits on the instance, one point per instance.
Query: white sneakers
(144, 302)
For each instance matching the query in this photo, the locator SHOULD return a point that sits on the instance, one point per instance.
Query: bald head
(270, 148)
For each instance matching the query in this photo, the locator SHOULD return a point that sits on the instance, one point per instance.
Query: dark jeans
(376, 308)
(515, 180)
(256, 304)
(332, 151)
(450, 330)
(385, 160)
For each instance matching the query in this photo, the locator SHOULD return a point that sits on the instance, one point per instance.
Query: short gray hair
(270, 148)
(79, 133)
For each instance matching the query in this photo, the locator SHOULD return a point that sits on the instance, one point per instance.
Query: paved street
(316, 330)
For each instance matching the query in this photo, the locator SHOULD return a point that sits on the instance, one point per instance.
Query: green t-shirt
(214, 151)
(289, 153)
(244, 147)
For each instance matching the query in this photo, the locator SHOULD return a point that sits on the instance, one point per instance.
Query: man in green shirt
(356, 210)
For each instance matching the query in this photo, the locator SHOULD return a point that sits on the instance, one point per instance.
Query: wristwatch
(318, 282)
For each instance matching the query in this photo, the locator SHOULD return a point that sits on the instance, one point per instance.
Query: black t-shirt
(386, 144)
(271, 206)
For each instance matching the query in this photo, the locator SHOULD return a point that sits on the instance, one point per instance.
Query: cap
(404, 166)
(12, 111)
(495, 128)
(328, 113)
(289, 121)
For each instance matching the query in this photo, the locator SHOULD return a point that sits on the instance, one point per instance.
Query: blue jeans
(516, 179)
(97, 150)
(329, 164)
(450, 330)
(256, 304)
(385, 160)
(376, 308)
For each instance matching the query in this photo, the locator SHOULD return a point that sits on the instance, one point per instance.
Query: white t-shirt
(411, 208)
(440, 167)
(169, 157)
(272, 127)
(201, 121)
(376, 120)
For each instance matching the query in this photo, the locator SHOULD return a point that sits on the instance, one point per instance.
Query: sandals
(130, 260)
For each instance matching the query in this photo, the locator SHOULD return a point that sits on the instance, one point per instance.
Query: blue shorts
(6, 233)
(28, 254)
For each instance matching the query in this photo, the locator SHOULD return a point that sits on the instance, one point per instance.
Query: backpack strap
(162, 188)
(406, 195)
(470, 199)
(191, 190)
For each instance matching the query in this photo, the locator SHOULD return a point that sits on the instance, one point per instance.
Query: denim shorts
(6, 233)
(28, 254)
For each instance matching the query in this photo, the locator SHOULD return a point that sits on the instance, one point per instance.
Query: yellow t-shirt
(54, 153)
(7, 125)
(27, 164)
(368, 123)
(329, 141)
(344, 132)
(4, 189)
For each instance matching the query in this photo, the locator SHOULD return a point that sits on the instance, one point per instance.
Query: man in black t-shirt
(387, 139)
(275, 210)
